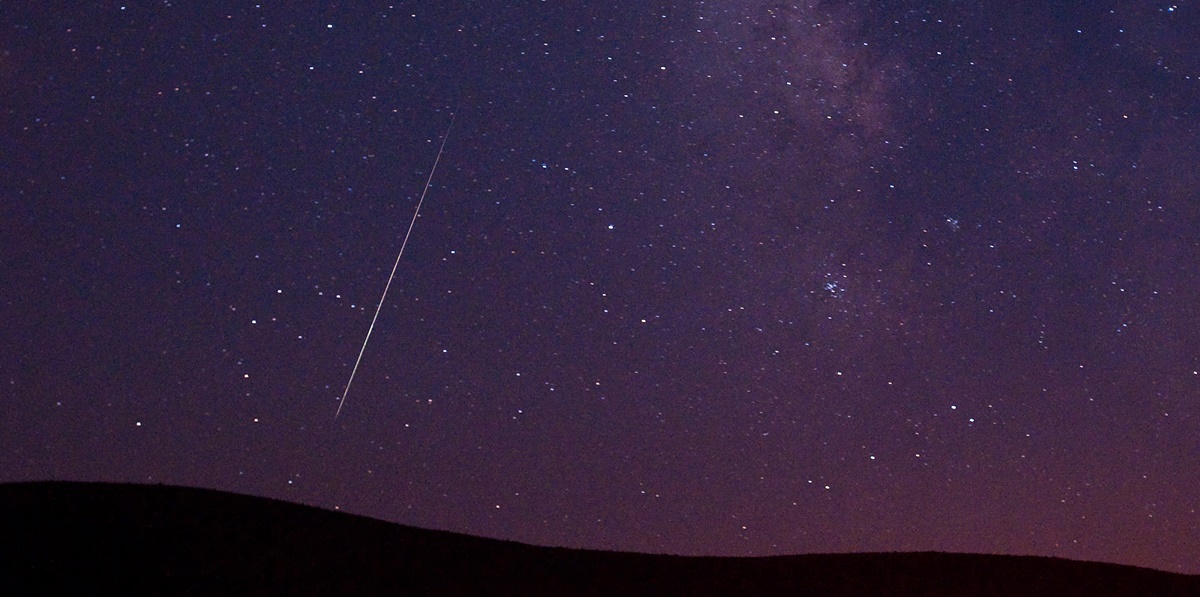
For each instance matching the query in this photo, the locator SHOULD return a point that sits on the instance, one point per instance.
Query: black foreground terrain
(108, 538)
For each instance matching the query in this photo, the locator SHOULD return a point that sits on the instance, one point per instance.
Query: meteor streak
(416, 212)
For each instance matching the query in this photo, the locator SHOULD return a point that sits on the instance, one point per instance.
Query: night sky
(722, 277)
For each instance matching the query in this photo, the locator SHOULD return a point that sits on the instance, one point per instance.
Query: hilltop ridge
(138, 538)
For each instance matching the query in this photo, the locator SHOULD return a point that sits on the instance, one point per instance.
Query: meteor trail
(416, 212)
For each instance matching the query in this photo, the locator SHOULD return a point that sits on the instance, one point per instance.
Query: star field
(735, 278)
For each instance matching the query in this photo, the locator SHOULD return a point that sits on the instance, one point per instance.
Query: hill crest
(187, 540)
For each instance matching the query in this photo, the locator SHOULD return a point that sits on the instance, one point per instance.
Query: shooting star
(416, 212)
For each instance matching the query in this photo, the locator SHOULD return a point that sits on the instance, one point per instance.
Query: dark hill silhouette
(108, 538)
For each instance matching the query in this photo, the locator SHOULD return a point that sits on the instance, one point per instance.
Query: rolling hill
(100, 537)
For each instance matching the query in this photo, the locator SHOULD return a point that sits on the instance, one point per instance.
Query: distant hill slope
(97, 537)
